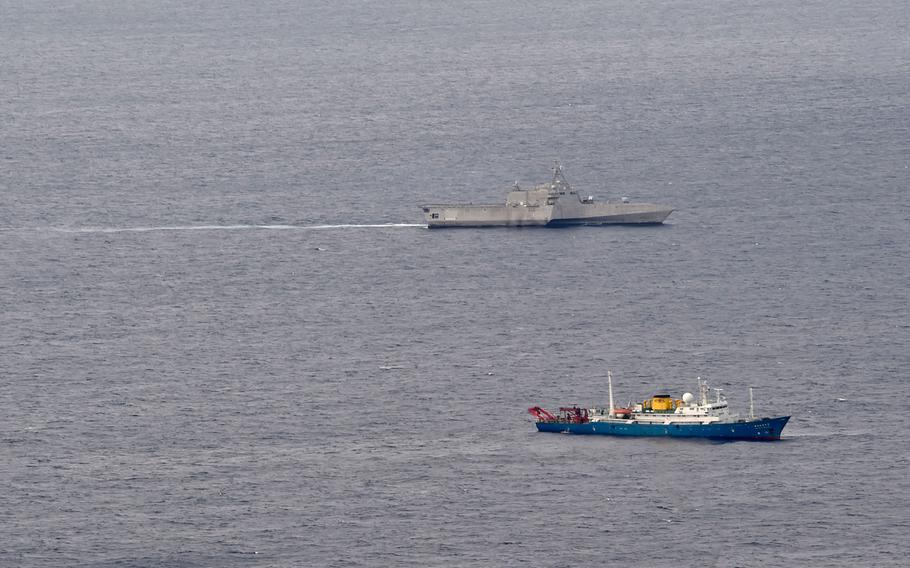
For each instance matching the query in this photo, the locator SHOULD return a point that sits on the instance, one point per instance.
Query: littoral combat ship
(549, 204)
(661, 415)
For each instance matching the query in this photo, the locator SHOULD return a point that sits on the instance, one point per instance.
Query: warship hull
(454, 216)
(553, 204)
(445, 216)
(760, 429)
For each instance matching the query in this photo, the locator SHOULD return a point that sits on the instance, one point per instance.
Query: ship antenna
(751, 404)
(610, 388)
(718, 391)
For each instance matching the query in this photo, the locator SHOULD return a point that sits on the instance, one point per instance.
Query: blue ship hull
(761, 429)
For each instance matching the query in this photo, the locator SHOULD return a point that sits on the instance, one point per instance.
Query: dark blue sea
(228, 340)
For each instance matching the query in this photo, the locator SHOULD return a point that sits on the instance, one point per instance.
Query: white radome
(688, 398)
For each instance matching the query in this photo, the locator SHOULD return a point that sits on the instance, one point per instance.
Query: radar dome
(688, 398)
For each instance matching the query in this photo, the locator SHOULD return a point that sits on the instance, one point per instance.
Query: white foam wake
(228, 228)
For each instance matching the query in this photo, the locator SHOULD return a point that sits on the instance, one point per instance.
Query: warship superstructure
(550, 204)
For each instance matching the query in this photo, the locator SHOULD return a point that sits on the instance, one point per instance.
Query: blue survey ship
(662, 415)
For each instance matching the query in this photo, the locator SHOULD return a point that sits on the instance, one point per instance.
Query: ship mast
(559, 180)
(610, 388)
(702, 390)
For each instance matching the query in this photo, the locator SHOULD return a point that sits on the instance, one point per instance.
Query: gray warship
(548, 204)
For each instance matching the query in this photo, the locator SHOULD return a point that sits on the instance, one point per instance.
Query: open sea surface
(228, 340)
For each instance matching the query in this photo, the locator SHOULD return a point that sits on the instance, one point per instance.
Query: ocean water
(226, 339)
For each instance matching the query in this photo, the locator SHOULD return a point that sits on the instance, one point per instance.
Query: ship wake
(226, 228)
